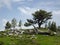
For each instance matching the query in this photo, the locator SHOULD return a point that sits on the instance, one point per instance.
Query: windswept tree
(8, 25)
(41, 17)
(14, 23)
(20, 23)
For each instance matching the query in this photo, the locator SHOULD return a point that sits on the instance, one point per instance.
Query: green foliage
(46, 25)
(16, 40)
(14, 22)
(26, 40)
(58, 31)
(8, 25)
(58, 28)
(29, 22)
(53, 26)
(41, 16)
(48, 40)
(49, 24)
(20, 23)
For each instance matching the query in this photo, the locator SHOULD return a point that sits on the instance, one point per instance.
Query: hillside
(30, 40)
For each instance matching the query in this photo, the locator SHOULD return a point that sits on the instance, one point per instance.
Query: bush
(52, 28)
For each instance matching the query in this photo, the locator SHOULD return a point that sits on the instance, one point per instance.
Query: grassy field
(48, 40)
(27, 40)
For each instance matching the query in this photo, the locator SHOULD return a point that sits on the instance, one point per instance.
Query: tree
(8, 25)
(53, 26)
(29, 23)
(45, 25)
(58, 28)
(41, 17)
(20, 23)
(49, 24)
(14, 23)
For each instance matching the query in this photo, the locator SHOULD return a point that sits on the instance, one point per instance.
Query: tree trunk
(39, 25)
(35, 29)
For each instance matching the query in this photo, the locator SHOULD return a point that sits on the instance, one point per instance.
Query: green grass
(43, 29)
(48, 40)
(25, 40)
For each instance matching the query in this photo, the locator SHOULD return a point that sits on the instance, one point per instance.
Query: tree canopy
(14, 22)
(40, 17)
(53, 26)
(20, 23)
(8, 25)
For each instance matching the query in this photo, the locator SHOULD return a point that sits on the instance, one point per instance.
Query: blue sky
(22, 9)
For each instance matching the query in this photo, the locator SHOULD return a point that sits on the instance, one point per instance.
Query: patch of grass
(25, 40)
(48, 40)
(43, 29)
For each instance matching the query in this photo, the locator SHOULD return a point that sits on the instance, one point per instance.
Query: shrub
(52, 27)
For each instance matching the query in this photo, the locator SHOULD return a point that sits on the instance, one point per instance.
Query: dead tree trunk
(35, 29)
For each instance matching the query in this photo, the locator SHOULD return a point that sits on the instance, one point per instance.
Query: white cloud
(46, 3)
(30, 27)
(49, 4)
(22, 10)
(21, 0)
(4, 21)
(18, 0)
(27, 10)
(24, 27)
(2, 29)
(6, 3)
(57, 12)
(29, 0)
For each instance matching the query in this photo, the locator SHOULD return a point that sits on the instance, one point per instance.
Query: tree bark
(39, 25)
(35, 29)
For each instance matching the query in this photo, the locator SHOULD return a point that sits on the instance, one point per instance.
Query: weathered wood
(35, 29)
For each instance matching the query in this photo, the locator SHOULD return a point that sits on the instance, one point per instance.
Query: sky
(23, 9)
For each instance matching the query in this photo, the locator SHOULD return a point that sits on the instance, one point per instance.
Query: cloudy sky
(22, 9)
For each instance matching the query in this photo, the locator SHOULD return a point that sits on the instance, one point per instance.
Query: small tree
(58, 28)
(8, 25)
(20, 24)
(53, 26)
(14, 23)
(46, 25)
(49, 24)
